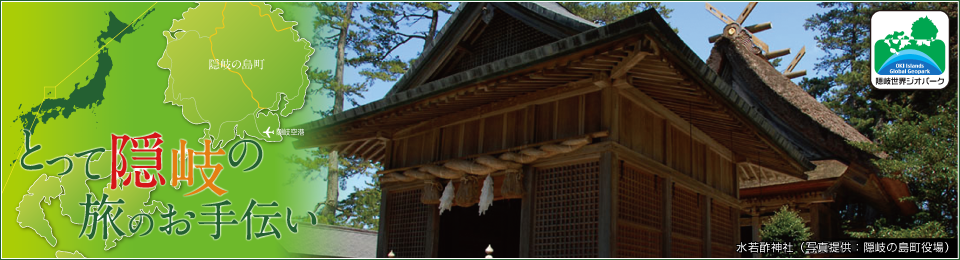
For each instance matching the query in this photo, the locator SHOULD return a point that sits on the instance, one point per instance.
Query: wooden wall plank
(544, 118)
(493, 133)
(471, 138)
(698, 161)
(591, 114)
(568, 117)
(431, 145)
(450, 144)
(627, 116)
(664, 171)
(414, 150)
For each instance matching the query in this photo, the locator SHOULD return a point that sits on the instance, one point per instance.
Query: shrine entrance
(465, 234)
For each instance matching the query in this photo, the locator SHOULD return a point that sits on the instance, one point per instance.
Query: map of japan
(237, 67)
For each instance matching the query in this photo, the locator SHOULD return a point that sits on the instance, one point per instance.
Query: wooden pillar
(606, 234)
(735, 217)
(705, 209)
(815, 222)
(756, 228)
(835, 220)
(382, 232)
(667, 215)
(433, 232)
(610, 111)
(526, 212)
(387, 157)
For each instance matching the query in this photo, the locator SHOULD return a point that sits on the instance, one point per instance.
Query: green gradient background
(44, 42)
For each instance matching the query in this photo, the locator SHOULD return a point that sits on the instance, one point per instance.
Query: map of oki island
(237, 74)
(158, 80)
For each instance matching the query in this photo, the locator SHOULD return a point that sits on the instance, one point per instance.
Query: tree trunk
(434, 19)
(333, 164)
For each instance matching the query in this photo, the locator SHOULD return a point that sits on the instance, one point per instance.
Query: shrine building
(600, 141)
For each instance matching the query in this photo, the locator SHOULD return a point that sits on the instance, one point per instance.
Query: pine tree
(916, 129)
(361, 209)
(336, 28)
(389, 26)
(366, 42)
(785, 226)
(607, 12)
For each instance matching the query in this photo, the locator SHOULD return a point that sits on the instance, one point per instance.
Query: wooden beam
(746, 12)
(624, 66)
(370, 149)
(551, 94)
(370, 154)
(623, 82)
(750, 28)
(716, 12)
(330, 142)
(388, 154)
(775, 54)
(638, 97)
(753, 171)
(796, 59)
(357, 149)
(756, 41)
(601, 80)
(758, 27)
(664, 171)
(517, 148)
(742, 172)
(797, 74)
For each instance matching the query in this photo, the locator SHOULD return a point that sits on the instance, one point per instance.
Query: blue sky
(695, 25)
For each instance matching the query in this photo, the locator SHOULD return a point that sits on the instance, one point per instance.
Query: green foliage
(915, 129)
(776, 62)
(317, 162)
(845, 37)
(817, 87)
(932, 229)
(920, 153)
(331, 18)
(389, 26)
(336, 28)
(361, 209)
(367, 43)
(607, 12)
(785, 226)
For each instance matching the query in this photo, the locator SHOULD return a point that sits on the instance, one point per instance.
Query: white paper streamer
(446, 200)
(486, 195)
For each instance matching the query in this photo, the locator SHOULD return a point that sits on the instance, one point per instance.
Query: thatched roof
(816, 130)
